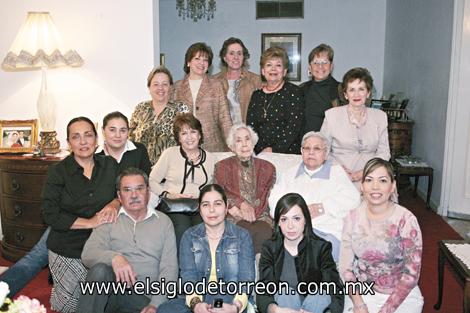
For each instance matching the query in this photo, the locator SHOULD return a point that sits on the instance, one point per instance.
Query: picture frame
(18, 136)
(292, 43)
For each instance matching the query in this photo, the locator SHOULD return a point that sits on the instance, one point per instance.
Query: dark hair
(320, 49)
(81, 119)
(287, 202)
(195, 48)
(360, 73)
(272, 53)
(374, 164)
(212, 187)
(113, 115)
(131, 171)
(155, 71)
(188, 119)
(231, 41)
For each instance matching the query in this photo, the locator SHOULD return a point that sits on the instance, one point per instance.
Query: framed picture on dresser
(18, 136)
(292, 43)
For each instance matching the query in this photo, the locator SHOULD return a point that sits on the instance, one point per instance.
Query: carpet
(433, 227)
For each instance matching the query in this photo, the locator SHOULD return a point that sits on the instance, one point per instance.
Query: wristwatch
(194, 301)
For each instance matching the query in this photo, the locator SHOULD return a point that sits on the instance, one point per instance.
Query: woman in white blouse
(357, 133)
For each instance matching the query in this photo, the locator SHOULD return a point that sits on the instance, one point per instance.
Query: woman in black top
(117, 144)
(79, 195)
(321, 92)
(299, 257)
(276, 111)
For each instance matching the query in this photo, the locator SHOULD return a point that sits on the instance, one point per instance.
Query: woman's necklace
(194, 157)
(266, 106)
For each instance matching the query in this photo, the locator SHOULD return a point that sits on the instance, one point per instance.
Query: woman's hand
(179, 196)
(202, 307)
(108, 214)
(267, 149)
(248, 212)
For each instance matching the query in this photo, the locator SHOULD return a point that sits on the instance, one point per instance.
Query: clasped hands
(246, 212)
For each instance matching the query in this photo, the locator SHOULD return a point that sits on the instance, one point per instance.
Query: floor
(460, 226)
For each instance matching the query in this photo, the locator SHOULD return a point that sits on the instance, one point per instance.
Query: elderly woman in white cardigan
(324, 185)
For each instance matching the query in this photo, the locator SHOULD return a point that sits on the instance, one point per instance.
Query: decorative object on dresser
(38, 45)
(21, 181)
(19, 136)
(400, 134)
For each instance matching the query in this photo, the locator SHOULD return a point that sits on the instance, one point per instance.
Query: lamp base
(48, 143)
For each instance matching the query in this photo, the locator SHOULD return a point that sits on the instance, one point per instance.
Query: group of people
(156, 203)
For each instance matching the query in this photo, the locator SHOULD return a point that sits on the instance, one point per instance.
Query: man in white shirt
(325, 186)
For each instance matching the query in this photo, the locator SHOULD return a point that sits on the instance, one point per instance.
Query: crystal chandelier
(196, 9)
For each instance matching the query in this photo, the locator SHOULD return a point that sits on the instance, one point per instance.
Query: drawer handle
(18, 210)
(14, 185)
(19, 236)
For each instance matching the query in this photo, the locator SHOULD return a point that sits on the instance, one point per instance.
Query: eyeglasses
(138, 189)
(321, 62)
(313, 149)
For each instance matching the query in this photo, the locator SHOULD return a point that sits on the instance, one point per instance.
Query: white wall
(417, 62)
(355, 30)
(115, 39)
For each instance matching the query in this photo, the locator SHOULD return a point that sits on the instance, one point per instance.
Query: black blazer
(314, 263)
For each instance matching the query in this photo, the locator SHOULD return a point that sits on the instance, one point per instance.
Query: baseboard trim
(461, 216)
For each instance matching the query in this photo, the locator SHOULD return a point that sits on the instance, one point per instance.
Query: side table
(416, 171)
(462, 271)
(21, 181)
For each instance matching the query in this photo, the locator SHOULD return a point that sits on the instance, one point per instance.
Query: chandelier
(196, 9)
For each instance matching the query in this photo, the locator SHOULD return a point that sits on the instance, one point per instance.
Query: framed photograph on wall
(292, 43)
(18, 136)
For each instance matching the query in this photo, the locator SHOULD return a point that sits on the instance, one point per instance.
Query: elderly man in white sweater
(325, 186)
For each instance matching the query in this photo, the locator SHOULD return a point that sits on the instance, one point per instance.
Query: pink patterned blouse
(386, 252)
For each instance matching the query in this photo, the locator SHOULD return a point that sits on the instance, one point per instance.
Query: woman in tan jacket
(237, 81)
(205, 97)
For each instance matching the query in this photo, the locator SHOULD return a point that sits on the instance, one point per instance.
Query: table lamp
(38, 45)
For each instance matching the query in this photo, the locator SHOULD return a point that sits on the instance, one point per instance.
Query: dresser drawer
(22, 185)
(22, 212)
(20, 236)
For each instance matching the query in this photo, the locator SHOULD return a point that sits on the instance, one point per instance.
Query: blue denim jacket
(235, 261)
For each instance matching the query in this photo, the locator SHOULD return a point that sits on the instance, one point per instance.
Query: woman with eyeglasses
(382, 245)
(357, 133)
(321, 92)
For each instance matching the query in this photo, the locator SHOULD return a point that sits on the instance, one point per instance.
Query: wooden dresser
(21, 181)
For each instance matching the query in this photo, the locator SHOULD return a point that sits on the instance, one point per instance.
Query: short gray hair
(131, 171)
(319, 135)
(231, 134)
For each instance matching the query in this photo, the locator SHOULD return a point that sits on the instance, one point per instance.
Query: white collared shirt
(150, 211)
(129, 146)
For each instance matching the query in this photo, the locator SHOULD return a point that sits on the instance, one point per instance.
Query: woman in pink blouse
(381, 244)
(357, 133)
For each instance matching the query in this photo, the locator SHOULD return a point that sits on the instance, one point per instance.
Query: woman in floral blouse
(382, 245)
(152, 121)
